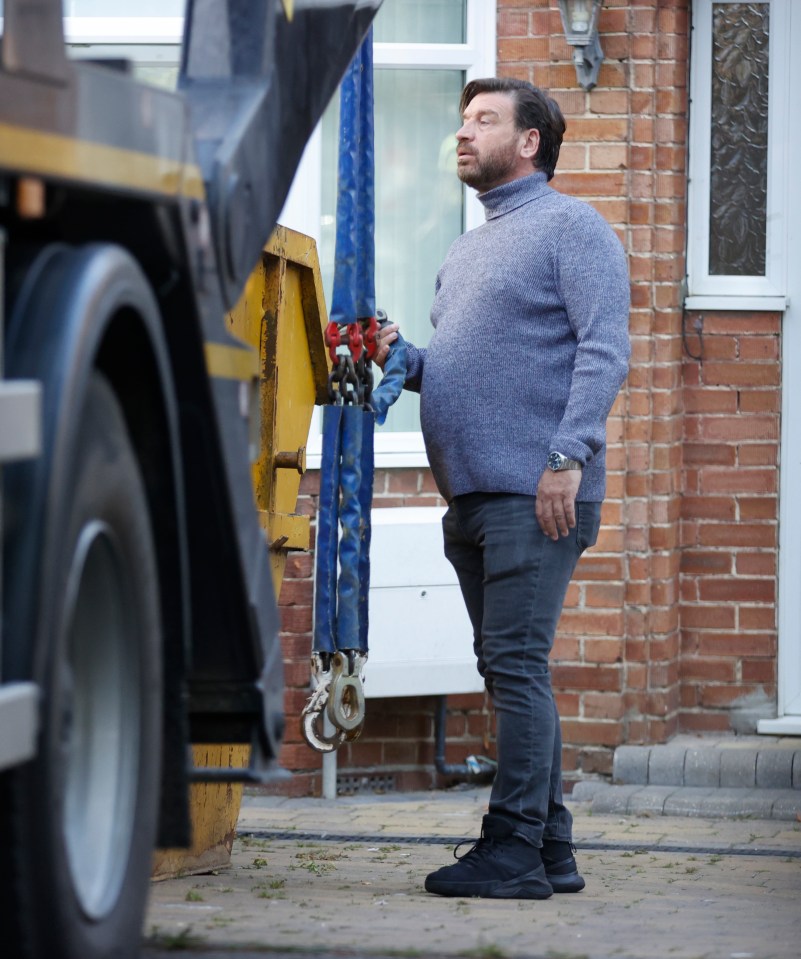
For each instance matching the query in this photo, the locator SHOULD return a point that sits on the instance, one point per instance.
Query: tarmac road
(344, 879)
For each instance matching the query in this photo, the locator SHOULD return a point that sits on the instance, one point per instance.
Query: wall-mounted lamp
(580, 23)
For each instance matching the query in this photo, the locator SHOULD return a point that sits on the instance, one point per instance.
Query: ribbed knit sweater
(530, 344)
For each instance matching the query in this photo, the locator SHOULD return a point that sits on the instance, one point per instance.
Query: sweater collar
(509, 196)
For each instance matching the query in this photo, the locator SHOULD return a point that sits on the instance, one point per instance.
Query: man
(529, 350)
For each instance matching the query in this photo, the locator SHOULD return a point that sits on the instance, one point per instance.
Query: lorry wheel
(79, 821)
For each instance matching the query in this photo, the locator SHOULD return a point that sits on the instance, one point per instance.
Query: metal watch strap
(558, 462)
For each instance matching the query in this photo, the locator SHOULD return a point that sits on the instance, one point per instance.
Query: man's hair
(533, 111)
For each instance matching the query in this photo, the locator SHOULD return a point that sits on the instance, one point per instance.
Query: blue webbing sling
(342, 568)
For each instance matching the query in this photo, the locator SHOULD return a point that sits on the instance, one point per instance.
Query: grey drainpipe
(477, 770)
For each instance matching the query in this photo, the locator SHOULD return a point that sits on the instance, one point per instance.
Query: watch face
(555, 461)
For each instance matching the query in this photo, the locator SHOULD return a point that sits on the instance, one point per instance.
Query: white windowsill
(785, 726)
(762, 304)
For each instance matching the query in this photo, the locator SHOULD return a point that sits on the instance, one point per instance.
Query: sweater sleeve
(592, 273)
(415, 362)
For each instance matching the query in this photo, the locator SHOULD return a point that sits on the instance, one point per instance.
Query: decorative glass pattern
(739, 160)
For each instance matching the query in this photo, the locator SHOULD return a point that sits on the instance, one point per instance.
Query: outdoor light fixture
(580, 23)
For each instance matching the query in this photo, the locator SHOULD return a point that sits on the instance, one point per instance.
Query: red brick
(730, 644)
(603, 706)
(740, 534)
(707, 400)
(297, 592)
(759, 401)
(756, 618)
(522, 48)
(601, 733)
(709, 507)
(762, 507)
(704, 722)
(512, 23)
(603, 678)
(729, 428)
(705, 561)
(756, 564)
(720, 695)
(758, 454)
(593, 624)
(759, 671)
(738, 589)
(741, 374)
(711, 617)
(718, 454)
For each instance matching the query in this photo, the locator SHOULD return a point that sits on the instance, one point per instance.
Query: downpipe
(474, 769)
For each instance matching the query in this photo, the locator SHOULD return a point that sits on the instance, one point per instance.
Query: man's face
(489, 149)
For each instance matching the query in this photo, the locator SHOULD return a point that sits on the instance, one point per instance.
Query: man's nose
(463, 133)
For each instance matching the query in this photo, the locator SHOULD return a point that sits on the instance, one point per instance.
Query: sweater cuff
(572, 448)
(414, 368)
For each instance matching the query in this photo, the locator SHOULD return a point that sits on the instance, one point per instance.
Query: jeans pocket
(588, 524)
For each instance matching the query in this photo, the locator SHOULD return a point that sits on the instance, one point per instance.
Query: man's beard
(489, 169)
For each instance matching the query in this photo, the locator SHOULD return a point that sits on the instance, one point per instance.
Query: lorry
(138, 612)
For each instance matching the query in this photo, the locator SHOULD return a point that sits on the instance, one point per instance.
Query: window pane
(421, 21)
(419, 201)
(124, 8)
(739, 170)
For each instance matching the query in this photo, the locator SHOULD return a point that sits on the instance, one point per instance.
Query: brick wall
(729, 517)
(671, 617)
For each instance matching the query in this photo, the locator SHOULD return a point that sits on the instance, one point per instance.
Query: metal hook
(310, 725)
(346, 706)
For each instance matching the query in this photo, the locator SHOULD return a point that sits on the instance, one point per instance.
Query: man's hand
(556, 502)
(383, 340)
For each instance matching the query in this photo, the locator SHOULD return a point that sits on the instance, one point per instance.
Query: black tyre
(78, 824)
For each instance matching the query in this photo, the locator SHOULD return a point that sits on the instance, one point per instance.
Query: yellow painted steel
(282, 317)
(282, 314)
(52, 154)
(214, 809)
(231, 362)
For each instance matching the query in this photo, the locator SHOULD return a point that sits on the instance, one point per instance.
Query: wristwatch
(558, 462)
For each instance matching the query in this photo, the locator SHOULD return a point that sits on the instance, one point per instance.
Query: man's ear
(531, 145)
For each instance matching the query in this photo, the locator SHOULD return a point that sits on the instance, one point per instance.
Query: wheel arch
(133, 356)
(61, 328)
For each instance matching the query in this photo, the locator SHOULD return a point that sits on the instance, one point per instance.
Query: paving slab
(657, 886)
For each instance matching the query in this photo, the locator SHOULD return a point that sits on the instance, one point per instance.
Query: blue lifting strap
(346, 481)
(346, 471)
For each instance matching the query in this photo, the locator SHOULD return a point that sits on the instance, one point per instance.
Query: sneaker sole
(572, 882)
(533, 885)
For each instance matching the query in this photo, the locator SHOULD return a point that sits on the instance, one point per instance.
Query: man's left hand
(556, 502)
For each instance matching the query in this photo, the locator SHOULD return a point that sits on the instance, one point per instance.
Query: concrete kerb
(738, 768)
(666, 766)
(702, 767)
(774, 769)
(631, 765)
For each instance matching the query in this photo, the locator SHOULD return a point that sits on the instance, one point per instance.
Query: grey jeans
(514, 579)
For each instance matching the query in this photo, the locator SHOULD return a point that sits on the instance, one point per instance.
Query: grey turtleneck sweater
(530, 344)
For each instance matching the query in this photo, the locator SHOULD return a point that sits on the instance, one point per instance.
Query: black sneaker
(499, 866)
(560, 866)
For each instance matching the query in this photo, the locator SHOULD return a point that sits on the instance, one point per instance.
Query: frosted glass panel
(739, 171)
(421, 21)
(419, 201)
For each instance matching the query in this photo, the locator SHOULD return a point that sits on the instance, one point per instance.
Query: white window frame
(707, 291)
(788, 720)
(123, 30)
(476, 57)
